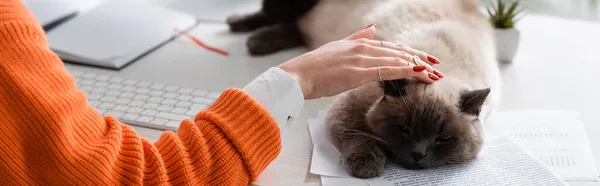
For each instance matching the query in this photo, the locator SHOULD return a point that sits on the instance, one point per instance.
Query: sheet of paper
(556, 138)
(500, 162)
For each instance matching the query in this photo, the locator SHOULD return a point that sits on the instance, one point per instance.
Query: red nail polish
(437, 73)
(370, 25)
(435, 78)
(433, 60)
(419, 68)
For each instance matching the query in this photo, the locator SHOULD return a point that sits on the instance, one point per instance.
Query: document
(501, 162)
(556, 138)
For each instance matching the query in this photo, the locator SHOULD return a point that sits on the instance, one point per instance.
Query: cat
(412, 124)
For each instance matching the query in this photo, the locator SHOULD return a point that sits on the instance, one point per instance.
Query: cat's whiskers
(347, 131)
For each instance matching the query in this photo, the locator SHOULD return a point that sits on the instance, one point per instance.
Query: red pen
(200, 43)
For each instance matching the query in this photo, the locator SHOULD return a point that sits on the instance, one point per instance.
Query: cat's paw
(366, 164)
(244, 22)
(259, 44)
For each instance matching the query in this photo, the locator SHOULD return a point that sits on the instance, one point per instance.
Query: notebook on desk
(115, 33)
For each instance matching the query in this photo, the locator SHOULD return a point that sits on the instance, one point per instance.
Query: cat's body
(406, 121)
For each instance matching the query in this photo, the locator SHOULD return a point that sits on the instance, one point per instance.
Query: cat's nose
(417, 156)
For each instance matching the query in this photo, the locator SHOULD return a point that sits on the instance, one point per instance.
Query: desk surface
(555, 68)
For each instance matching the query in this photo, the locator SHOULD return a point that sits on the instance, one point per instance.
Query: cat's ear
(395, 88)
(472, 101)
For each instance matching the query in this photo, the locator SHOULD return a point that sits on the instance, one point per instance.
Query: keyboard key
(158, 121)
(158, 86)
(127, 95)
(184, 97)
(165, 108)
(101, 84)
(95, 96)
(156, 93)
(192, 113)
(99, 90)
(86, 88)
(136, 103)
(76, 73)
(87, 82)
(90, 75)
(113, 93)
(199, 93)
(135, 110)
(122, 101)
(198, 107)
(185, 91)
(130, 117)
(128, 89)
(143, 84)
(179, 110)
(155, 99)
(130, 82)
(141, 97)
(170, 95)
(102, 77)
(108, 99)
(171, 88)
(115, 86)
(174, 124)
(106, 105)
(116, 80)
(149, 112)
(150, 105)
(171, 116)
(94, 103)
(142, 91)
(214, 95)
(101, 111)
(169, 102)
(114, 113)
(202, 100)
(183, 104)
(144, 119)
(120, 108)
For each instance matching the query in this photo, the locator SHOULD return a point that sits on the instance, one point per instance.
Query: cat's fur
(405, 121)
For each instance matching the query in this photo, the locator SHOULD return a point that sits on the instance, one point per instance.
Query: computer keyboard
(142, 103)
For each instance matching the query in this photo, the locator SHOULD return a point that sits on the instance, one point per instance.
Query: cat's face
(421, 128)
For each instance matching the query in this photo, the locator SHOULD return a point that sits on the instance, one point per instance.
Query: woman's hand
(356, 60)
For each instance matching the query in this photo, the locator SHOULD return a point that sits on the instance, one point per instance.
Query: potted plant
(503, 16)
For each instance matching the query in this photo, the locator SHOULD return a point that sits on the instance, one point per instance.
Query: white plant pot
(507, 44)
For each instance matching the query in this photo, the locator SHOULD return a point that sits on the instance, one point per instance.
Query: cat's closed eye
(395, 121)
(403, 129)
(444, 138)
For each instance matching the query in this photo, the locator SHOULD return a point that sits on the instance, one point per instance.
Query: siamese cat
(407, 122)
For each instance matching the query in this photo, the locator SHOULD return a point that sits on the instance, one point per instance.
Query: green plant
(504, 13)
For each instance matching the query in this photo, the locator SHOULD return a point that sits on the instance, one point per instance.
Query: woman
(52, 136)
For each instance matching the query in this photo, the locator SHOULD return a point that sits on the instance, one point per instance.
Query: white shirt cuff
(279, 93)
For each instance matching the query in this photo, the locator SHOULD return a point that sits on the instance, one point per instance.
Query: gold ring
(379, 72)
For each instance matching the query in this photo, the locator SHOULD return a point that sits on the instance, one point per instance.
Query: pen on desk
(200, 43)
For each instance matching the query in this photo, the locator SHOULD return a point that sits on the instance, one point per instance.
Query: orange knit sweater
(50, 135)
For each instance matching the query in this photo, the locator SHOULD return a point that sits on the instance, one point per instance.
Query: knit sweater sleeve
(51, 136)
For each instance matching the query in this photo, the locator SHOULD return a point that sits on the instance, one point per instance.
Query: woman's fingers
(391, 73)
(370, 61)
(384, 44)
(378, 56)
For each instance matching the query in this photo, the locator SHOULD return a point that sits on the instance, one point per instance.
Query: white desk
(556, 68)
